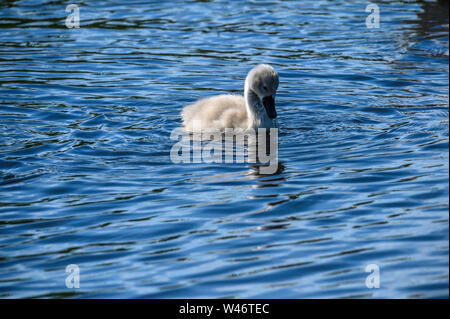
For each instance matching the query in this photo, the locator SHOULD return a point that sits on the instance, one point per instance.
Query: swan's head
(263, 81)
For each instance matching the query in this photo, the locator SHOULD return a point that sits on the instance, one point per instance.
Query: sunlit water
(86, 179)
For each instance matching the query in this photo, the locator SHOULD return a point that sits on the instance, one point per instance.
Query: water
(86, 179)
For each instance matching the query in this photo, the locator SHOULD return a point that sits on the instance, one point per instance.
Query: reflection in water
(256, 170)
(434, 15)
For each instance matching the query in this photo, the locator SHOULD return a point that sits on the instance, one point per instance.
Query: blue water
(86, 179)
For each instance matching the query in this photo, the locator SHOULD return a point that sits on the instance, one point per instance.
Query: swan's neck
(256, 114)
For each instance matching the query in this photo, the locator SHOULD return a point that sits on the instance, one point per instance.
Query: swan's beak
(269, 104)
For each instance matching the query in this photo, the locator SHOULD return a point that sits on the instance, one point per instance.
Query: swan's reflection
(259, 147)
(255, 170)
(258, 151)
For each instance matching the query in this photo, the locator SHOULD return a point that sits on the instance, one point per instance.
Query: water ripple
(85, 122)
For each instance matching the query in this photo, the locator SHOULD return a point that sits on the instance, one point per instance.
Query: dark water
(86, 178)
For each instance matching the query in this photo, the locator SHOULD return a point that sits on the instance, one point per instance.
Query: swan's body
(256, 109)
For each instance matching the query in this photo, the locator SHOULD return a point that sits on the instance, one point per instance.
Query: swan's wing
(216, 112)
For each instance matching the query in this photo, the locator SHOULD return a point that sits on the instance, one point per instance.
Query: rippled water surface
(86, 179)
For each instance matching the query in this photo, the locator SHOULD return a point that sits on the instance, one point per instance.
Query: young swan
(255, 110)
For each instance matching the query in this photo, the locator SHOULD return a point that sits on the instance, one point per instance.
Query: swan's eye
(265, 88)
